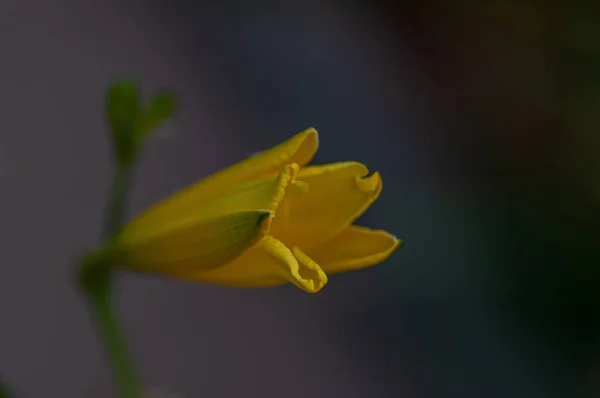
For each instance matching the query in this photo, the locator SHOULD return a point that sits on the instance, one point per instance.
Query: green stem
(4, 393)
(101, 299)
(97, 281)
(115, 211)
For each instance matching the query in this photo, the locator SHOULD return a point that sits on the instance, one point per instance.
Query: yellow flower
(265, 221)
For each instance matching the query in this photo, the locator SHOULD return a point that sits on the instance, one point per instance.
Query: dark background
(482, 116)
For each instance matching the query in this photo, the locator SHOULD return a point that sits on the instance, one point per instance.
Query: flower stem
(4, 393)
(115, 211)
(96, 278)
(101, 300)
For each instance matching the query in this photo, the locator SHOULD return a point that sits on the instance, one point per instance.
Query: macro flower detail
(265, 221)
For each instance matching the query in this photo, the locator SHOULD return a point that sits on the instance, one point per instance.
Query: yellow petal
(299, 149)
(355, 248)
(337, 194)
(268, 263)
(188, 246)
(263, 194)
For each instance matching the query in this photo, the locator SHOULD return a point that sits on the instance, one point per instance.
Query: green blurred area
(516, 85)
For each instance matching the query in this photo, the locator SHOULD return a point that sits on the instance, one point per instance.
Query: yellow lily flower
(265, 221)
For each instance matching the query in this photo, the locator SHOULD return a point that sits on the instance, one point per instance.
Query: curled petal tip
(309, 277)
(370, 184)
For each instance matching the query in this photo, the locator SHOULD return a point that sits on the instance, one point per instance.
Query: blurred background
(482, 117)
